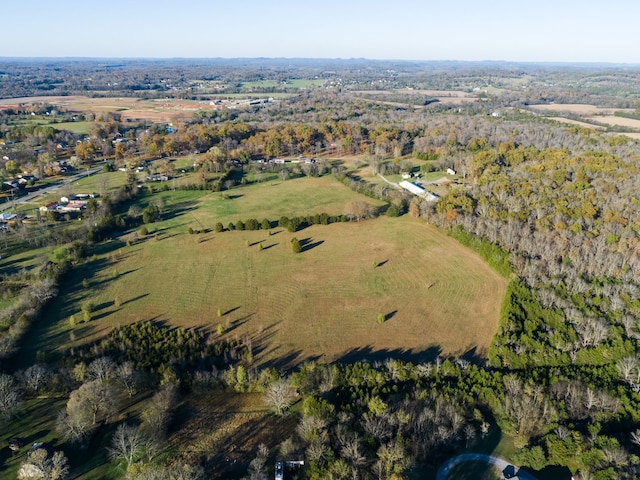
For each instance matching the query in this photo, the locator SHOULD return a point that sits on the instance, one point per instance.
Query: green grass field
(75, 127)
(437, 296)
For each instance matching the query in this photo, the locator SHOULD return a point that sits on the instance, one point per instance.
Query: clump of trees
(166, 352)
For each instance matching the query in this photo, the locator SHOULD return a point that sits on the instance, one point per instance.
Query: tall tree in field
(94, 400)
(280, 395)
(126, 443)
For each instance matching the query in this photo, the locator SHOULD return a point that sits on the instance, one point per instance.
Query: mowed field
(601, 115)
(437, 297)
(164, 110)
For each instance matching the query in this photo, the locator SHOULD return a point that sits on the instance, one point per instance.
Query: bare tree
(358, 210)
(257, 467)
(392, 457)
(9, 396)
(352, 451)
(592, 332)
(42, 291)
(157, 415)
(629, 370)
(101, 369)
(126, 443)
(280, 395)
(526, 405)
(128, 377)
(36, 377)
(93, 400)
(73, 428)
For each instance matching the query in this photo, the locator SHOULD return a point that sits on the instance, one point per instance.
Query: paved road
(499, 463)
(31, 196)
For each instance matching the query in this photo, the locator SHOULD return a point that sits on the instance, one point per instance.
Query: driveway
(500, 464)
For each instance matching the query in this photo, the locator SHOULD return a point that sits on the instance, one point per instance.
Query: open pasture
(436, 296)
(619, 121)
(578, 109)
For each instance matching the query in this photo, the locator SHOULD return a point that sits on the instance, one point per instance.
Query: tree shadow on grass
(306, 244)
(179, 209)
(369, 354)
(290, 360)
(131, 300)
(382, 263)
(235, 324)
(269, 246)
(472, 356)
(390, 315)
(231, 310)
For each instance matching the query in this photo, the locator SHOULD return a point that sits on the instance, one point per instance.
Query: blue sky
(544, 30)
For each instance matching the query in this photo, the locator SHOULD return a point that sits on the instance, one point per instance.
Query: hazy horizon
(545, 32)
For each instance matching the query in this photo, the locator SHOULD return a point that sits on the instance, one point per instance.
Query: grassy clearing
(34, 424)
(100, 181)
(75, 127)
(436, 296)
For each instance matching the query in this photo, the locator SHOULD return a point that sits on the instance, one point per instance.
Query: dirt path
(389, 182)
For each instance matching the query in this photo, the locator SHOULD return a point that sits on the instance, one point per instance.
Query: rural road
(499, 463)
(390, 183)
(29, 197)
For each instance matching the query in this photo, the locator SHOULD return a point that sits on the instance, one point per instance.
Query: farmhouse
(49, 207)
(77, 196)
(75, 206)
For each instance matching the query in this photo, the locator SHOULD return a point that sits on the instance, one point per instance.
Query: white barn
(419, 191)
